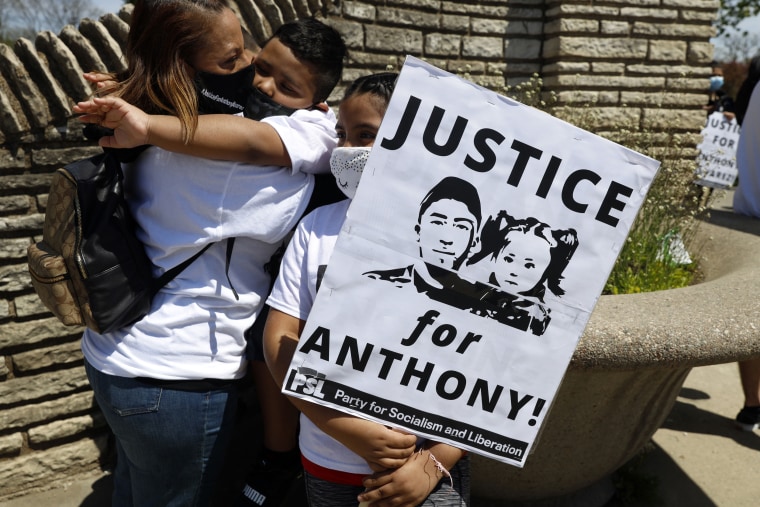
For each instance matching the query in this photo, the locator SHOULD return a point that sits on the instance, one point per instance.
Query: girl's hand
(130, 124)
(409, 485)
(381, 447)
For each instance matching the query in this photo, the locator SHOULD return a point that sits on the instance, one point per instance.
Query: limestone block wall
(619, 55)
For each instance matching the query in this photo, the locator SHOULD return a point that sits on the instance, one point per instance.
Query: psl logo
(307, 381)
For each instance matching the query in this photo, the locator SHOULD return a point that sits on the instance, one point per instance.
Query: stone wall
(618, 55)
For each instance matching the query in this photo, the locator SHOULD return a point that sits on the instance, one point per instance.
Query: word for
(486, 158)
(724, 142)
(443, 335)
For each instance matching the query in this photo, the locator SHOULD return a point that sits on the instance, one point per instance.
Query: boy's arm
(381, 447)
(415, 480)
(221, 137)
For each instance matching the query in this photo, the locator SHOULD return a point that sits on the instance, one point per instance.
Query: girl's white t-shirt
(294, 292)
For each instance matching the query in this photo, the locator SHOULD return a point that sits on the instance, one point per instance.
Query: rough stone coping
(716, 321)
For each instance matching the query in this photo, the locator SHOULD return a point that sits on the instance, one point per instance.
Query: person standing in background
(747, 202)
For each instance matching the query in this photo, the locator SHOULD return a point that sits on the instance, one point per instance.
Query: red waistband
(329, 475)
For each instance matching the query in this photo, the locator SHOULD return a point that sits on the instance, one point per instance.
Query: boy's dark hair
(319, 45)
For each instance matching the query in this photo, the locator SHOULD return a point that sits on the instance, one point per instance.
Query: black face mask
(223, 93)
(259, 106)
(234, 94)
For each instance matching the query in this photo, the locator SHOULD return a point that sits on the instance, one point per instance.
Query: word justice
(614, 196)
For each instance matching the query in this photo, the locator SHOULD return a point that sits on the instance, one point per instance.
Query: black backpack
(90, 268)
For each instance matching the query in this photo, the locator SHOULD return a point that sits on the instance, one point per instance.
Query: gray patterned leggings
(322, 493)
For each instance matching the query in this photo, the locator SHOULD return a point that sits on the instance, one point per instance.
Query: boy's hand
(130, 124)
(406, 486)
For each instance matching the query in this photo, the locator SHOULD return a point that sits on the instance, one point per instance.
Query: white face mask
(347, 164)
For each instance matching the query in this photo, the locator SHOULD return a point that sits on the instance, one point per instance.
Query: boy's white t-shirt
(294, 291)
(181, 203)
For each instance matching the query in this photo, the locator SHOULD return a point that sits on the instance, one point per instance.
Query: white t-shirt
(747, 193)
(294, 291)
(181, 203)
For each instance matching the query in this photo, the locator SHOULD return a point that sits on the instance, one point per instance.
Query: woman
(167, 383)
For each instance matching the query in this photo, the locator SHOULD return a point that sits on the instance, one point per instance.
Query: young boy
(295, 71)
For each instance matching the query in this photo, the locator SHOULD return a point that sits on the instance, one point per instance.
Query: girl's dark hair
(380, 85)
(316, 44)
(494, 237)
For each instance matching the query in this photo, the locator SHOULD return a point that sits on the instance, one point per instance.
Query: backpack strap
(168, 275)
(230, 244)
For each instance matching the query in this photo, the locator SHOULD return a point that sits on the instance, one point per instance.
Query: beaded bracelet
(439, 466)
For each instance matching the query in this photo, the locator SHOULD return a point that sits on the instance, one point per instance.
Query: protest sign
(716, 163)
(479, 240)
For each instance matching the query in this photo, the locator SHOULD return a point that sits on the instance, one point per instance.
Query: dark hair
(455, 189)
(745, 90)
(318, 45)
(458, 190)
(380, 85)
(164, 35)
(494, 237)
(249, 41)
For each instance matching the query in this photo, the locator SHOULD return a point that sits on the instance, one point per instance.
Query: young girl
(340, 452)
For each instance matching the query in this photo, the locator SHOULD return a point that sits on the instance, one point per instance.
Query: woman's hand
(130, 124)
(100, 79)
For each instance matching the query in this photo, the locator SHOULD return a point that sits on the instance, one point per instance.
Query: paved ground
(697, 459)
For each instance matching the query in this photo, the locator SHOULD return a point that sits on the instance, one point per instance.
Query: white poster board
(716, 163)
(423, 320)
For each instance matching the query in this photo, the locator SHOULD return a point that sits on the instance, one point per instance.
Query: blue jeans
(170, 443)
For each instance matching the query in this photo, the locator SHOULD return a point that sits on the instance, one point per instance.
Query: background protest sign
(716, 163)
(479, 240)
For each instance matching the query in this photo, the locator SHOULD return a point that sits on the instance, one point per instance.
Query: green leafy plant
(661, 251)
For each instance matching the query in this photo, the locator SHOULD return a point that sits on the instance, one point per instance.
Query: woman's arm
(221, 137)
(381, 447)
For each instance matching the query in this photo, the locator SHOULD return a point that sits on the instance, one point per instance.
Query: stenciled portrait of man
(447, 231)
